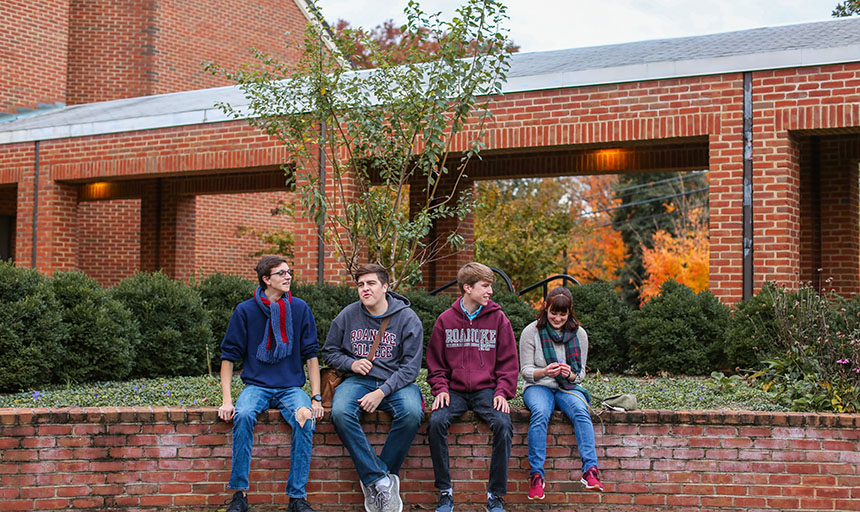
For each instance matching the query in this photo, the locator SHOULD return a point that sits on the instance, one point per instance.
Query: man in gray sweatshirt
(387, 383)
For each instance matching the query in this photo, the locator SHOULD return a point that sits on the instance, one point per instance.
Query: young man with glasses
(274, 335)
(386, 383)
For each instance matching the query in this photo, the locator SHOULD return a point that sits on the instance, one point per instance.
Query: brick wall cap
(111, 415)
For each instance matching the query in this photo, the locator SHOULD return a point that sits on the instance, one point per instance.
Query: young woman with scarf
(553, 351)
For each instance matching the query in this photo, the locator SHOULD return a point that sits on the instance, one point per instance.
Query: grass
(674, 393)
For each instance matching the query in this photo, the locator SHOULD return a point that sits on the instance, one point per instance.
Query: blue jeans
(404, 406)
(542, 401)
(252, 401)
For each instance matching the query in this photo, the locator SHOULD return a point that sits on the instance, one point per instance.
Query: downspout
(748, 269)
(321, 225)
(159, 189)
(35, 207)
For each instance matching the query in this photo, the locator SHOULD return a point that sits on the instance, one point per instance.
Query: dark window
(7, 232)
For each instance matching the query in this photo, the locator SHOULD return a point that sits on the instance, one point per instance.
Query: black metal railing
(498, 271)
(543, 283)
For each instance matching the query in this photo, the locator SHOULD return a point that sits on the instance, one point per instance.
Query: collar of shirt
(470, 316)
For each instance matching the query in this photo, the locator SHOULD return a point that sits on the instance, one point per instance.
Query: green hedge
(606, 319)
(32, 333)
(174, 326)
(103, 335)
(679, 332)
(221, 293)
(68, 329)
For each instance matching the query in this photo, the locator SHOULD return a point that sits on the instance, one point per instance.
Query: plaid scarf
(572, 356)
(276, 338)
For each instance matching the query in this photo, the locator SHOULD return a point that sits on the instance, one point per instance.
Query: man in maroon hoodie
(472, 364)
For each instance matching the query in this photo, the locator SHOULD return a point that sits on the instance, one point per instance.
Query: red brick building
(165, 181)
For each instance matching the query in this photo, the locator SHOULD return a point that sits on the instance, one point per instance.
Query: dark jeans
(500, 423)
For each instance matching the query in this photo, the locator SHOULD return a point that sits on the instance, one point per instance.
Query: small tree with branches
(383, 130)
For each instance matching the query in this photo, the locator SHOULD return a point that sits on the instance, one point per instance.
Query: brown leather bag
(331, 377)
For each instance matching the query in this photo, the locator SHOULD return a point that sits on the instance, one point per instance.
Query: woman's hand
(565, 370)
(553, 369)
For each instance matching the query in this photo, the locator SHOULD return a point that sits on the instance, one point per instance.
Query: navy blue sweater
(245, 333)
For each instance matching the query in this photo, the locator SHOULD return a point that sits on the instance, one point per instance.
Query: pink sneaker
(591, 480)
(536, 486)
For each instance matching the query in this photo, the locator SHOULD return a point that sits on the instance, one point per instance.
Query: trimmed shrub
(173, 325)
(103, 336)
(32, 333)
(428, 308)
(518, 311)
(679, 332)
(221, 293)
(325, 301)
(605, 317)
(752, 329)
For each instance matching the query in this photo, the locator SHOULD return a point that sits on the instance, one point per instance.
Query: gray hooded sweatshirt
(398, 357)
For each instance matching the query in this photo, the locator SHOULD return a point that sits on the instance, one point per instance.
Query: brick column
(55, 207)
(167, 226)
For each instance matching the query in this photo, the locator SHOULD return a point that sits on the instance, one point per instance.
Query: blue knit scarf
(276, 343)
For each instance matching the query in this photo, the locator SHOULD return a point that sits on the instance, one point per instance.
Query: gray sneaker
(368, 499)
(384, 498)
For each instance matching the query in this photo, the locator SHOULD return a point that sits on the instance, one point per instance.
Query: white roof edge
(601, 76)
(324, 30)
(805, 57)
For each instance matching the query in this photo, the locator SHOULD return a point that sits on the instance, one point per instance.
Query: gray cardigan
(532, 358)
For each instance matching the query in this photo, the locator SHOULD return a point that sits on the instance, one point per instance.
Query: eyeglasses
(283, 273)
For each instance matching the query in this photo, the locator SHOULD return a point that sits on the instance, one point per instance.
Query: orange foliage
(684, 259)
(597, 250)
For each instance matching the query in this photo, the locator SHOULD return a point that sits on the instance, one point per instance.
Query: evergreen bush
(103, 335)
(428, 308)
(606, 318)
(679, 332)
(32, 334)
(752, 329)
(518, 311)
(221, 293)
(325, 301)
(173, 325)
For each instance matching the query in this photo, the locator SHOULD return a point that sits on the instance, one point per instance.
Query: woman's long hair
(559, 301)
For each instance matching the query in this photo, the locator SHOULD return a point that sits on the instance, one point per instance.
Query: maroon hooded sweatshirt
(468, 356)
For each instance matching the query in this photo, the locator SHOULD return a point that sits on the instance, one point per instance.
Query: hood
(396, 302)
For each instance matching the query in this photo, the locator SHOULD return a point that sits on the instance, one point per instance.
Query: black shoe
(239, 503)
(446, 502)
(300, 505)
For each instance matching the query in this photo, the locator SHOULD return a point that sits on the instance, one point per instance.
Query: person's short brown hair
(265, 266)
(471, 273)
(371, 268)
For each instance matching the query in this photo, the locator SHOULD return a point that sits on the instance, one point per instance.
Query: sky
(538, 25)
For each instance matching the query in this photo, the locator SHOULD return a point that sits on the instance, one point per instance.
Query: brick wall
(35, 36)
(702, 114)
(157, 459)
(109, 239)
(139, 47)
(77, 52)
